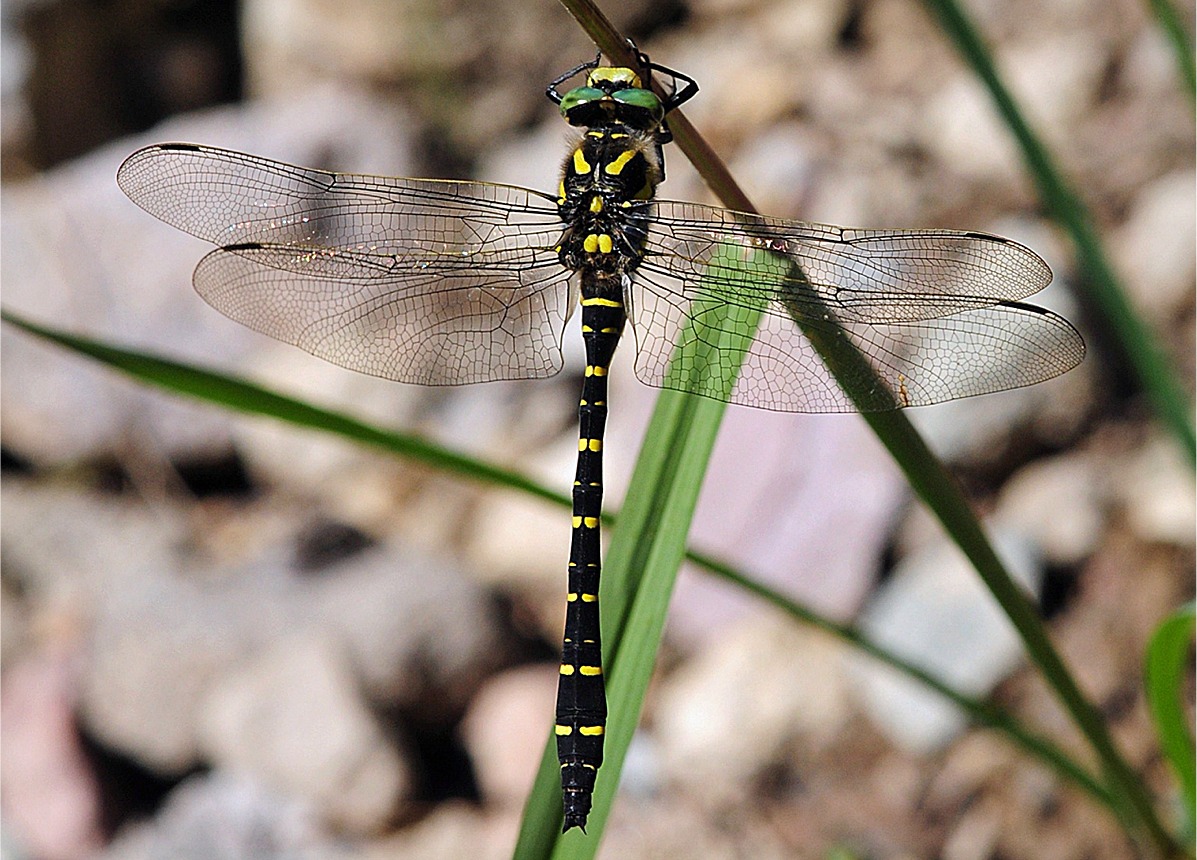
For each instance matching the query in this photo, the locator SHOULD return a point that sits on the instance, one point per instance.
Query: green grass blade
(1181, 42)
(1138, 347)
(1165, 671)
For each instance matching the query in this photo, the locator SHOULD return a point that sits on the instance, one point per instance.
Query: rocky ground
(226, 638)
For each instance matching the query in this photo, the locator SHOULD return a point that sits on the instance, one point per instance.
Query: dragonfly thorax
(605, 196)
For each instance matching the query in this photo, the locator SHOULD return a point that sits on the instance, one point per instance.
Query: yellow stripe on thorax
(613, 168)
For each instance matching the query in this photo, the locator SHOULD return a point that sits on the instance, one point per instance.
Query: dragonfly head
(613, 94)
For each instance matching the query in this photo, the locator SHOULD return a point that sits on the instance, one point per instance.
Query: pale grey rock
(523, 543)
(410, 627)
(415, 626)
(674, 826)
(356, 483)
(804, 29)
(747, 83)
(505, 729)
(527, 159)
(166, 629)
(67, 547)
(643, 775)
(841, 194)
(1153, 250)
(360, 39)
(1150, 65)
(293, 718)
(962, 128)
(975, 836)
(776, 169)
(1055, 78)
(452, 830)
(936, 613)
(476, 69)
(730, 710)
(1059, 504)
(1154, 486)
(96, 558)
(156, 653)
(219, 816)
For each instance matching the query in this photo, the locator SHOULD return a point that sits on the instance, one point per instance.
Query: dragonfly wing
(934, 313)
(399, 318)
(416, 280)
(231, 198)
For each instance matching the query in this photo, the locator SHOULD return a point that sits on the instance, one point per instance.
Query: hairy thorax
(605, 199)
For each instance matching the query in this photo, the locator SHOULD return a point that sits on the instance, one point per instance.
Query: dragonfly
(450, 282)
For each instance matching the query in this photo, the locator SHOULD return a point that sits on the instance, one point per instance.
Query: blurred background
(223, 637)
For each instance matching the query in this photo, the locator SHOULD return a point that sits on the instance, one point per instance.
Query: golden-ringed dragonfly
(443, 282)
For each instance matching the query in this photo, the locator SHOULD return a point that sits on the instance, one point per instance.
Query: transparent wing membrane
(417, 280)
(448, 282)
(379, 316)
(230, 198)
(934, 313)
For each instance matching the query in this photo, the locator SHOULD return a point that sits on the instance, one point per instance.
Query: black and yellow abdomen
(605, 201)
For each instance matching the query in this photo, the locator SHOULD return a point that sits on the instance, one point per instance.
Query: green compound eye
(579, 96)
(640, 98)
(645, 100)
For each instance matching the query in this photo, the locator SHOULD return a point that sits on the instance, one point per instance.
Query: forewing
(934, 313)
(428, 281)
